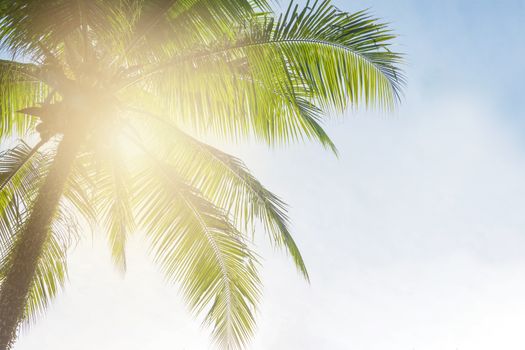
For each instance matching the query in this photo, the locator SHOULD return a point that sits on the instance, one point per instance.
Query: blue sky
(415, 236)
(469, 45)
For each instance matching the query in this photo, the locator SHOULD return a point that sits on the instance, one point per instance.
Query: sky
(414, 237)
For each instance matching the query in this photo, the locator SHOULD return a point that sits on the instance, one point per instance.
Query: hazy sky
(414, 237)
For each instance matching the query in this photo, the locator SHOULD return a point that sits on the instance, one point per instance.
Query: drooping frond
(79, 191)
(235, 100)
(19, 88)
(51, 268)
(278, 77)
(343, 57)
(112, 196)
(226, 182)
(50, 276)
(195, 244)
(51, 272)
(22, 171)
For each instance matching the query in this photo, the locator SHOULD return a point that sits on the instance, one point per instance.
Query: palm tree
(99, 101)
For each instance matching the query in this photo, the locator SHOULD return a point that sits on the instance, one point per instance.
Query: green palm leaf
(21, 173)
(227, 183)
(51, 272)
(195, 244)
(113, 195)
(19, 88)
(276, 77)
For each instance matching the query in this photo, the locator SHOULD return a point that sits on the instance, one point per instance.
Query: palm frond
(342, 56)
(51, 272)
(19, 88)
(50, 276)
(79, 191)
(277, 77)
(22, 171)
(113, 193)
(227, 183)
(224, 99)
(195, 244)
(51, 268)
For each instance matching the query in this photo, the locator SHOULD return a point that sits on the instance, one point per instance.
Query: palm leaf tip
(353, 51)
(295, 253)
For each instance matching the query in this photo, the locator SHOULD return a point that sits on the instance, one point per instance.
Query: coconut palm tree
(102, 102)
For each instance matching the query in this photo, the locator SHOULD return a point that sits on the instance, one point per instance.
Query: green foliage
(226, 182)
(19, 88)
(135, 74)
(22, 170)
(189, 235)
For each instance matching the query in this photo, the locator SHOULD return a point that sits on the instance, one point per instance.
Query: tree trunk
(17, 283)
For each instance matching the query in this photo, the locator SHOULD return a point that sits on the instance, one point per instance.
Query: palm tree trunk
(17, 283)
